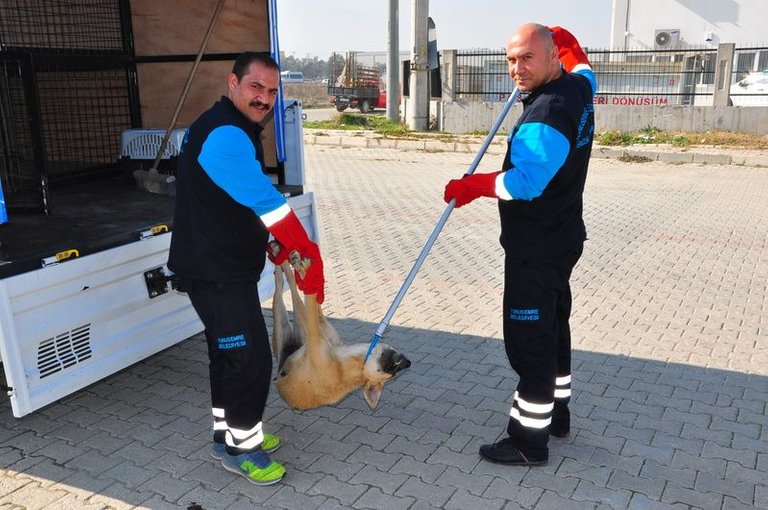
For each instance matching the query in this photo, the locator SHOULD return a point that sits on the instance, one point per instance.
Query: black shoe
(506, 452)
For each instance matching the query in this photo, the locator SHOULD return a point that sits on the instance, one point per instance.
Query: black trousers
(537, 339)
(240, 367)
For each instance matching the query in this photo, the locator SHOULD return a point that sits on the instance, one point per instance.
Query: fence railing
(632, 77)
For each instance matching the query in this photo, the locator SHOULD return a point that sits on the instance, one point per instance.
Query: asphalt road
(319, 113)
(329, 113)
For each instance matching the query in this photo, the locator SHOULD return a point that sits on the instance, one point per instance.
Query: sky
(321, 27)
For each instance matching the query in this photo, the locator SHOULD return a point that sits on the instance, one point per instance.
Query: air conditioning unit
(666, 38)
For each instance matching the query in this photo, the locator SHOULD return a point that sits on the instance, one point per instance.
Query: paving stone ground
(670, 371)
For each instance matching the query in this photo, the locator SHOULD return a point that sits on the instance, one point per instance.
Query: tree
(312, 67)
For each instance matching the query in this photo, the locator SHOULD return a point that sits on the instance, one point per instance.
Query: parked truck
(351, 85)
(84, 287)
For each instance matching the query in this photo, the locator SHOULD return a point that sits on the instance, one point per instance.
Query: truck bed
(361, 92)
(87, 216)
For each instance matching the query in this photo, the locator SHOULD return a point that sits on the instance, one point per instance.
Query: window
(762, 61)
(744, 63)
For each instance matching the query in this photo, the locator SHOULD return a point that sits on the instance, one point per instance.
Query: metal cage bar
(68, 90)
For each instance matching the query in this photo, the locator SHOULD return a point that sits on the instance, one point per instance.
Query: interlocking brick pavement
(670, 360)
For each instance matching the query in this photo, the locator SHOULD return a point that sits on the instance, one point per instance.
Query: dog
(314, 367)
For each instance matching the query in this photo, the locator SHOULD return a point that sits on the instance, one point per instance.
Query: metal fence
(632, 77)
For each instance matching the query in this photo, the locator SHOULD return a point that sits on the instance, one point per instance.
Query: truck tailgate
(70, 324)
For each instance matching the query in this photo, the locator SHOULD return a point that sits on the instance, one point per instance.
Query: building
(680, 24)
(687, 34)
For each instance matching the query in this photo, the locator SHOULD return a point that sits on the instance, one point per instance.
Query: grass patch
(627, 158)
(614, 138)
(651, 135)
(357, 122)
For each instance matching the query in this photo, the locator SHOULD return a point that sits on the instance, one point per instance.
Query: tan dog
(315, 368)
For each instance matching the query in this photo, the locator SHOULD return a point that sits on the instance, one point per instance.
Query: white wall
(736, 21)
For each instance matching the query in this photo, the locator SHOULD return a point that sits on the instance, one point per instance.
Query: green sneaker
(269, 445)
(255, 466)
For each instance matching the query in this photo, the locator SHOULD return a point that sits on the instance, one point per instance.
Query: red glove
(276, 253)
(569, 50)
(470, 187)
(290, 233)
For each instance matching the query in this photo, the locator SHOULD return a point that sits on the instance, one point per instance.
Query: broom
(151, 180)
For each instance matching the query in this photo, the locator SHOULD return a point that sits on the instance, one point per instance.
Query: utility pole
(418, 109)
(393, 63)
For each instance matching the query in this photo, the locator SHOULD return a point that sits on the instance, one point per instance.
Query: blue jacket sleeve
(538, 151)
(229, 158)
(587, 72)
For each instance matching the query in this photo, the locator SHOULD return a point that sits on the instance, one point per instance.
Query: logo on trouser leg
(524, 314)
(230, 342)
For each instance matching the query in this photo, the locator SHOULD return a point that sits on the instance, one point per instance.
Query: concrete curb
(471, 144)
(379, 142)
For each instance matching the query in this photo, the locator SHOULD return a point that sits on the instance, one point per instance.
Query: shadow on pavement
(644, 434)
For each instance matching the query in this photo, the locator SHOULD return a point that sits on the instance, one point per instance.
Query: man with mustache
(226, 208)
(539, 192)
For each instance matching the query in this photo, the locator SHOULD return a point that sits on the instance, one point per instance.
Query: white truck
(84, 288)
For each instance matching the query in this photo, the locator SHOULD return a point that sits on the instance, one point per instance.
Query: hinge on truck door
(159, 282)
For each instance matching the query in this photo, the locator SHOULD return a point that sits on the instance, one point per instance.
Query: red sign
(631, 100)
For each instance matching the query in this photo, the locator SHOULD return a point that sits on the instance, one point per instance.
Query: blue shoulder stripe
(537, 153)
(587, 72)
(229, 159)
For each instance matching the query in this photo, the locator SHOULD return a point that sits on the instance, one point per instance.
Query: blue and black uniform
(224, 203)
(542, 233)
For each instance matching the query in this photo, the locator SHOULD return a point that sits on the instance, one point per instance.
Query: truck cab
(84, 287)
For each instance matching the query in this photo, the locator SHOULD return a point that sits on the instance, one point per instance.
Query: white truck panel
(66, 326)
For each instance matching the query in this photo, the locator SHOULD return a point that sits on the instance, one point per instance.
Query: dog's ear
(372, 393)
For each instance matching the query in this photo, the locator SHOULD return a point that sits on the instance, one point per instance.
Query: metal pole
(417, 113)
(393, 63)
(433, 237)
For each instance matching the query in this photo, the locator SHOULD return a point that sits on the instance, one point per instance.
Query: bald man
(539, 191)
